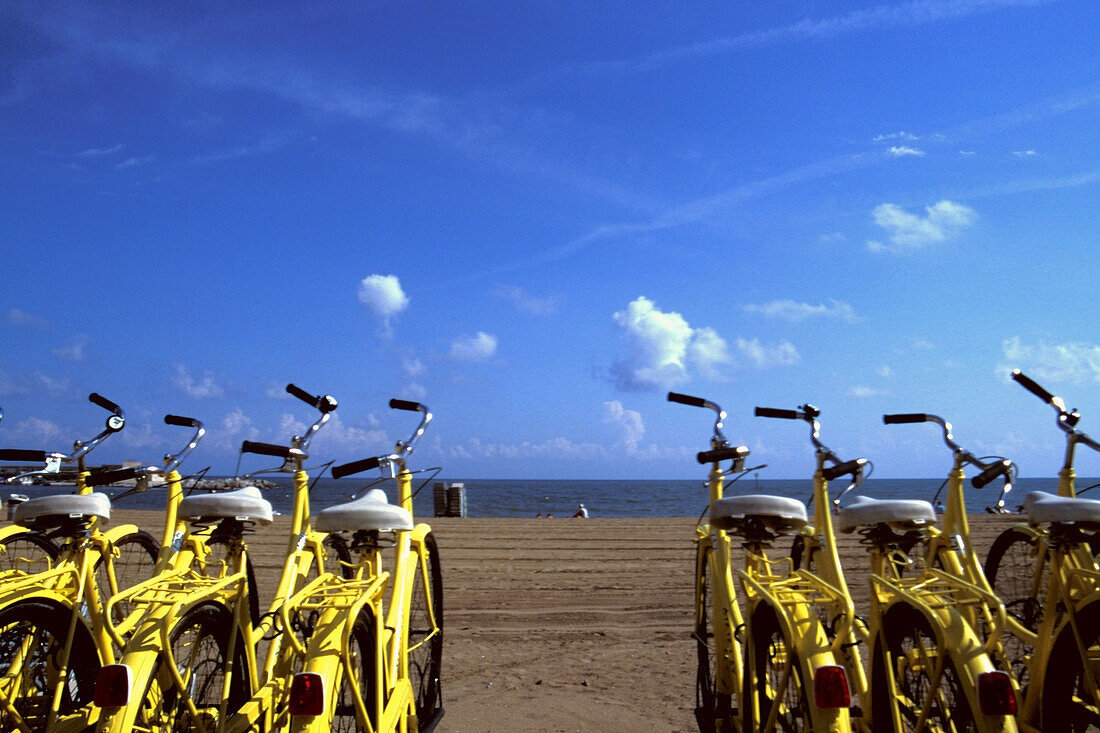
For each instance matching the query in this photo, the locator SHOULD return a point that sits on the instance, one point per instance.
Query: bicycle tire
(200, 643)
(31, 672)
(137, 558)
(1066, 704)
(710, 706)
(26, 551)
(906, 637)
(1010, 568)
(362, 652)
(772, 654)
(426, 654)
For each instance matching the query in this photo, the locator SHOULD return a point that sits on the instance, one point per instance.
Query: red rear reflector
(112, 686)
(995, 694)
(307, 694)
(831, 687)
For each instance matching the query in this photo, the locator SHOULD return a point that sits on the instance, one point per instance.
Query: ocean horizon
(602, 498)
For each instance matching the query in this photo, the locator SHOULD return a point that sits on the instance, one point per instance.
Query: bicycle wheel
(32, 641)
(362, 653)
(1067, 704)
(200, 647)
(773, 659)
(710, 706)
(909, 648)
(426, 648)
(1010, 569)
(137, 558)
(30, 552)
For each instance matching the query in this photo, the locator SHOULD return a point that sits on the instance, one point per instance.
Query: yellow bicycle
(782, 671)
(52, 623)
(194, 662)
(373, 660)
(929, 670)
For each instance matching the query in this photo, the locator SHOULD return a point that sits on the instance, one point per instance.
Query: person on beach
(582, 513)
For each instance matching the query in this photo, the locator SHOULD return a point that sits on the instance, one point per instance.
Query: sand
(566, 624)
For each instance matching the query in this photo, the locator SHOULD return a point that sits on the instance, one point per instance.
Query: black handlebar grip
(103, 402)
(831, 472)
(720, 454)
(905, 417)
(997, 469)
(1028, 384)
(348, 469)
(23, 456)
(405, 405)
(183, 422)
(686, 399)
(775, 412)
(266, 449)
(301, 394)
(102, 478)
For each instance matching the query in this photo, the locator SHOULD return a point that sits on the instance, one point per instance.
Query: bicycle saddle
(1042, 507)
(48, 511)
(897, 513)
(246, 504)
(371, 511)
(779, 513)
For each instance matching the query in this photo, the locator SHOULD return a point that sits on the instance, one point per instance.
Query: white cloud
(557, 448)
(383, 296)
(908, 137)
(663, 350)
(276, 391)
(481, 347)
(762, 357)
(415, 391)
(233, 428)
(205, 387)
(908, 232)
(901, 151)
(966, 152)
(1074, 361)
(658, 347)
(628, 422)
(867, 392)
(74, 350)
(833, 238)
(1024, 153)
(412, 366)
(35, 430)
(53, 385)
(100, 152)
(885, 371)
(526, 302)
(17, 317)
(136, 161)
(789, 310)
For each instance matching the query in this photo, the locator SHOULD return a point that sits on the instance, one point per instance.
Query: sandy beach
(566, 624)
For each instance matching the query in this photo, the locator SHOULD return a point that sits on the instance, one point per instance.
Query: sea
(602, 498)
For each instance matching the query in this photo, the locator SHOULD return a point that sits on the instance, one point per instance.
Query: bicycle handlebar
(776, 412)
(905, 418)
(684, 399)
(324, 403)
(999, 468)
(359, 466)
(722, 454)
(23, 456)
(102, 478)
(183, 422)
(266, 449)
(831, 472)
(1031, 386)
(105, 403)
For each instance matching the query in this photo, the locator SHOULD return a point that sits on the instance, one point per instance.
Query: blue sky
(537, 218)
